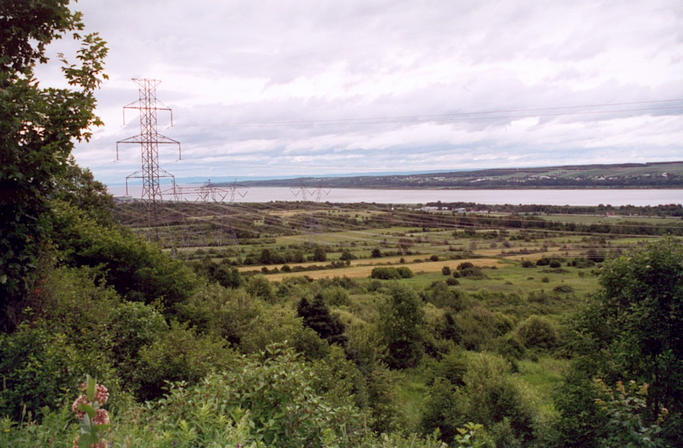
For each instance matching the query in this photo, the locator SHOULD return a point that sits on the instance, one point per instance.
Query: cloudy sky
(279, 88)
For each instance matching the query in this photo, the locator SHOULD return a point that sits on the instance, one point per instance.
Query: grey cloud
(310, 87)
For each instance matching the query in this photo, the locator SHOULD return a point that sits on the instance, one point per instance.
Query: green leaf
(90, 390)
(88, 410)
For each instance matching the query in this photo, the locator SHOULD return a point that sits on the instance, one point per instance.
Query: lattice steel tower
(149, 140)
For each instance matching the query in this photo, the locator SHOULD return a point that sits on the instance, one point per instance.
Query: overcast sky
(272, 88)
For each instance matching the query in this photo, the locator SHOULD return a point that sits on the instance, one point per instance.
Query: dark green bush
(317, 316)
(452, 281)
(259, 286)
(181, 355)
(42, 369)
(139, 271)
(537, 332)
(389, 273)
(404, 272)
(402, 317)
(441, 295)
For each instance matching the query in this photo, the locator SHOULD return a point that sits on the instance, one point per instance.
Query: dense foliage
(37, 132)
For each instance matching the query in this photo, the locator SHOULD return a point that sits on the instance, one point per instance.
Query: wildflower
(101, 417)
(82, 399)
(101, 394)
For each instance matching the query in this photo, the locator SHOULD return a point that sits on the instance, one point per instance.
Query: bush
(389, 273)
(480, 326)
(317, 316)
(467, 269)
(40, 369)
(452, 281)
(287, 413)
(440, 295)
(537, 332)
(228, 313)
(404, 272)
(401, 323)
(384, 273)
(510, 347)
(259, 286)
(139, 271)
(487, 397)
(180, 355)
(335, 296)
(452, 367)
(446, 270)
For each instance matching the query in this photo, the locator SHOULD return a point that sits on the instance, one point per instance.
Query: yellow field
(361, 271)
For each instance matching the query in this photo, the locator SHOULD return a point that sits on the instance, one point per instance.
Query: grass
(411, 393)
(541, 379)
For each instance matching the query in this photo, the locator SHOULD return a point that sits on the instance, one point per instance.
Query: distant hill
(625, 175)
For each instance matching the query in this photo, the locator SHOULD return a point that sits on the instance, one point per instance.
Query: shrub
(335, 296)
(317, 316)
(452, 367)
(440, 295)
(404, 272)
(259, 286)
(40, 370)
(287, 413)
(402, 318)
(384, 273)
(537, 332)
(510, 347)
(180, 355)
(467, 269)
(137, 270)
(446, 270)
(228, 313)
(389, 273)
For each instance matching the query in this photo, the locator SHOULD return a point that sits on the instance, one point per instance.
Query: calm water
(549, 197)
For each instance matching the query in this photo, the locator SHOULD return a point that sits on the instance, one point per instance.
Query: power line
(494, 114)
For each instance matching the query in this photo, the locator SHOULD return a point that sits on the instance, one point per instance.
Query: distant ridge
(623, 175)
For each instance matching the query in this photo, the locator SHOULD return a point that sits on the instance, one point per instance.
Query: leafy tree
(633, 330)
(317, 316)
(319, 254)
(79, 188)
(346, 255)
(259, 286)
(401, 321)
(537, 331)
(38, 127)
(139, 271)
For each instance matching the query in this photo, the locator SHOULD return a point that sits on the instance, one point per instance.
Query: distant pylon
(149, 140)
(315, 194)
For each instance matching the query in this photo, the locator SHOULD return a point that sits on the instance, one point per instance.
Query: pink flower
(101, 417)
(101, 394)
(82, 399)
